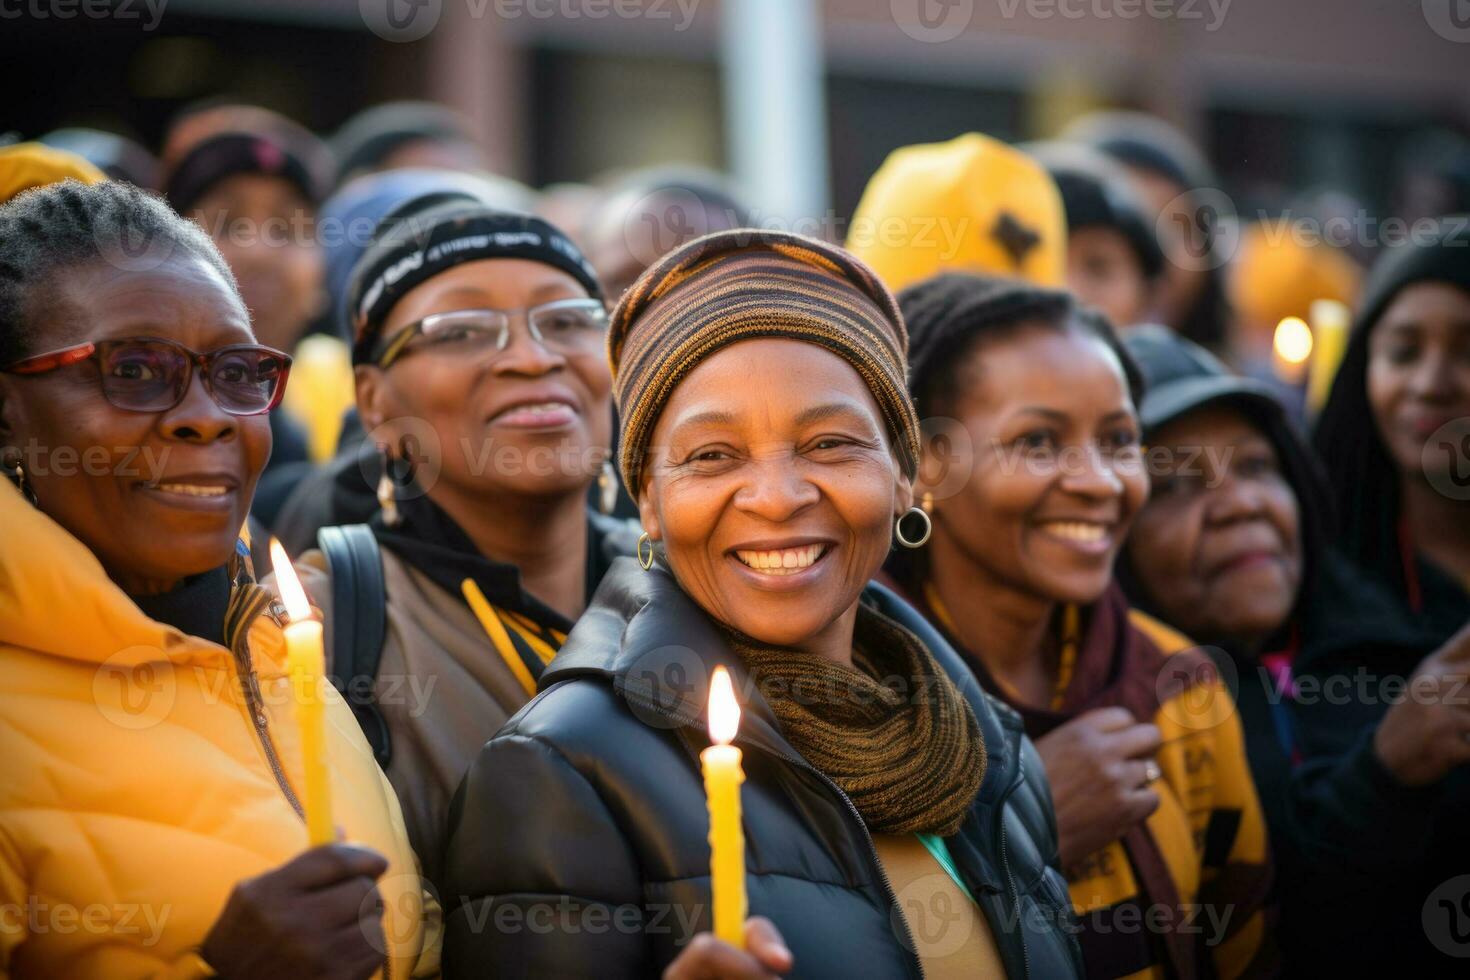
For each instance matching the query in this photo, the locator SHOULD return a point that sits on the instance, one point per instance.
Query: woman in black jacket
(897, 822)
(1232, 548)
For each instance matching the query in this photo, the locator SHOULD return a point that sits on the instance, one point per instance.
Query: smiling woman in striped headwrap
(771, 445)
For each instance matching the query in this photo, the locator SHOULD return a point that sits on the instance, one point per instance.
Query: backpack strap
(358, 626)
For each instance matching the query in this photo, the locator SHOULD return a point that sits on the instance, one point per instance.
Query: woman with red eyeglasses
(150, 822)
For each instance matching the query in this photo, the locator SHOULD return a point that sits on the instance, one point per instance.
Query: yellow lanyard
(499, 638)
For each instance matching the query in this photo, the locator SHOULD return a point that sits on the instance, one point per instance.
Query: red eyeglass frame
(76, 354)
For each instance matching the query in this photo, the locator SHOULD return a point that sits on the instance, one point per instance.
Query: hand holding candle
(305, 660)
(722, 779)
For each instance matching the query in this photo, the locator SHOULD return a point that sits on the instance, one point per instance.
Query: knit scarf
(892, 731)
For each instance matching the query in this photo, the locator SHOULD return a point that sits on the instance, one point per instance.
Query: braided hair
(948, 315)
(51, 229)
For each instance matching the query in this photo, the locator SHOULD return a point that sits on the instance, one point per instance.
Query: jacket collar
(658, 648)
(56, 599)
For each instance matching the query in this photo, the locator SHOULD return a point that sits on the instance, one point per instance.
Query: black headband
(228, 154)
(425, 241)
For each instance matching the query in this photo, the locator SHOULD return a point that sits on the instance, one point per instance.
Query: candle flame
(1293, 340)
(291, 592)
(724, 710)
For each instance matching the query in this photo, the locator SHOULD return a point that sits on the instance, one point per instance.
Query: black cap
(1181, 376)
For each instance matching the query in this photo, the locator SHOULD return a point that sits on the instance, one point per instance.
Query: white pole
(775, 105)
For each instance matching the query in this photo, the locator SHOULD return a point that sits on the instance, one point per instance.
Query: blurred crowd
(1190, 491)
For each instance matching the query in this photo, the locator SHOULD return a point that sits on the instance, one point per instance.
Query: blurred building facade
(1284, 95)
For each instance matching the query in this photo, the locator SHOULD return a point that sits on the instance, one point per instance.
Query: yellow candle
(1330, 327)
(722, 779)
(305, 662)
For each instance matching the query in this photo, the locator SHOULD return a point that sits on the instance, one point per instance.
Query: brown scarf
(892, 731)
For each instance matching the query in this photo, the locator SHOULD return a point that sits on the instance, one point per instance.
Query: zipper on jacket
(1013, 890)
(255, 707)
(1015, 893)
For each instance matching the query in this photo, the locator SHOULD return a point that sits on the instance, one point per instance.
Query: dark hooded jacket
(588, 808)
(1351, 846)
(1363, 477)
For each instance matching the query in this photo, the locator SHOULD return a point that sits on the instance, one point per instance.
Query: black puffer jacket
(578, 841)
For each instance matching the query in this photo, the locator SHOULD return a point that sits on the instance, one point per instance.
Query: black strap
(357, 627)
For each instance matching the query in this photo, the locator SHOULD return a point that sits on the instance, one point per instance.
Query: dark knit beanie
(744, 284)
(437, 231)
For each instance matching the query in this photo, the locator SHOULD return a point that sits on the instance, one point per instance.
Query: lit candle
(306, 665)
(1292, 346)
(722, 779)
(1330, 323)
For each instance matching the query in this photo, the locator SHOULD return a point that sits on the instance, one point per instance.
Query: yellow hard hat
(27, 165)
(973, 204)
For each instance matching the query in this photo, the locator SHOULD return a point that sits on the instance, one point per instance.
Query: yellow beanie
(28, 165)
(973, 204)
(1274, 276)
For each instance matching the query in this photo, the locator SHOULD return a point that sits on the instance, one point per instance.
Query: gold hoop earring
(388, 491)
(923, 538)
(647, 563)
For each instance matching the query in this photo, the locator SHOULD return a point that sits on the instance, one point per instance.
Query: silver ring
(1151, 772)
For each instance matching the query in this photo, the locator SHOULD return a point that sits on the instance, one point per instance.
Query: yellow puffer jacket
(137, 783)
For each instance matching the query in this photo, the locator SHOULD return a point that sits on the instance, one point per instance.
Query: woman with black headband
(482, 383)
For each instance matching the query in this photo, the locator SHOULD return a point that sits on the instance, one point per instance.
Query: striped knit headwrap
(744, 284)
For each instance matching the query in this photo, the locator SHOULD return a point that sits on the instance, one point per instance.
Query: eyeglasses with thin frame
(566, 326)
(151, 374)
